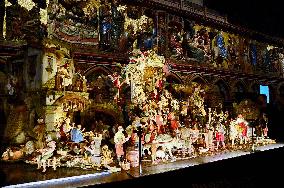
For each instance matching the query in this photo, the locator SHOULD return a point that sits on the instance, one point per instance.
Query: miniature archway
(239, 90)
(2, 60)
(198, 79)
(175, 24)
(280, 89)
(98, 70)
(280, 94)
(220, 94)
(2, 118)
(254, 88)
(3, 82)
(70, 104)
(223, 89)
(98, 84)
(239, 87)
(173, 78)
(107, 113)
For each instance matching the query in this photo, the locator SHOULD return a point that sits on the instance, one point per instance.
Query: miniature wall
(33, 72)
(49, 65)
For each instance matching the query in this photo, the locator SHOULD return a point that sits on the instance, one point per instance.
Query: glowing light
(7, 3)
(28, 4)
(58, 181)
(269, 47)
(43, 16)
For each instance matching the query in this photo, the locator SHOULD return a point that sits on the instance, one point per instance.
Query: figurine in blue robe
(76, 134)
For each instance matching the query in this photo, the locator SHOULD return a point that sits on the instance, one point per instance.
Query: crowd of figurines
(115, 27)
(170, 127)
(167, 134)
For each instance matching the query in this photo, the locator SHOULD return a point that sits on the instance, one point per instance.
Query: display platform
(224, 169)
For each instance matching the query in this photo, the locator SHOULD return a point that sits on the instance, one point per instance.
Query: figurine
(154, 146)
(39, 129)
(209, 136)
(160, 123)
(106, 158)
(220, 135)
(119, 140)
(185, 136)
(12, 154)
(194, 133)
(76, 134)
(29, 147)
(55, 163)
(46, 153)
(174, 122)
(117, 83)
(233, 132)
(94, 150)
(264, 126)
(125, 165)
(243, 126)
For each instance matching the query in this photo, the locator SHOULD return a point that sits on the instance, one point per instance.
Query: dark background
(259, 15)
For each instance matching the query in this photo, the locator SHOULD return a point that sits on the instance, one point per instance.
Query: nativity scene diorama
(110, 76)
(173, 126)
